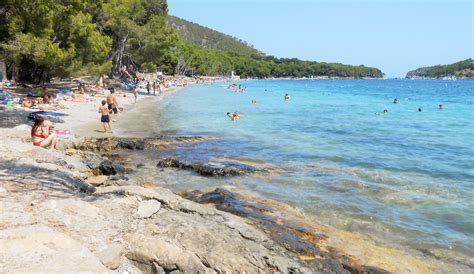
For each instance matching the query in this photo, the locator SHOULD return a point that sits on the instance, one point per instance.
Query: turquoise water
(404, 176)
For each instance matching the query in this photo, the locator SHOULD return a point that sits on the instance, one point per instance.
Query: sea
(404, 176)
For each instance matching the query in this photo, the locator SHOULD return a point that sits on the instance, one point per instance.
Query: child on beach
(105, 119)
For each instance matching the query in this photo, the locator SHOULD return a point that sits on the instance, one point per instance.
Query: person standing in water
(440, 105)
(395, 101)
(234, 116)
(104, 118)
(287, 97)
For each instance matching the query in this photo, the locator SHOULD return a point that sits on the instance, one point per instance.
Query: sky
(394, 36)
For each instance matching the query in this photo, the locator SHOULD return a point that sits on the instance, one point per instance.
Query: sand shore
(55, 220)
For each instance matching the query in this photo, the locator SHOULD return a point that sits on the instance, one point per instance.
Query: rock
(23, 127)
(208, 170)
(148, 207)
(70, 152)
(131, 144)
(97, 180)
(34, 248)
(111, 256)
(225, 169)
(92, 160)
(109, 144)
(148, 251)
(107, 168)
(170, 162)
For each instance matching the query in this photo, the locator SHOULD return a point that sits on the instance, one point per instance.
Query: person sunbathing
(42, 133)
(27, 103)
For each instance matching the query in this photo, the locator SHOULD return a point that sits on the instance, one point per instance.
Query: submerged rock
(289, 235)
(225, 169)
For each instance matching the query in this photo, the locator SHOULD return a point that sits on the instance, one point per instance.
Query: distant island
(461, 69)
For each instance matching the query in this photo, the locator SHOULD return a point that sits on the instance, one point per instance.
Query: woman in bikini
(42, 135)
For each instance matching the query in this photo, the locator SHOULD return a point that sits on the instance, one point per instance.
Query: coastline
(59, 205)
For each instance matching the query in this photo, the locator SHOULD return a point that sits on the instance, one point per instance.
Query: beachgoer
(440, 105)
(395, 101)
(419, 109)
(148, 86)
(27, 103)
(42, 133)
(112, 104)
(385, 111)
(287, 97)
(135, 94)
(234, 116)
(82, 88)
(154, 88)
(105, 119)
(254, 102)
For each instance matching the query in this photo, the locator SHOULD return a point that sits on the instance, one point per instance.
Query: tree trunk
(117, 54)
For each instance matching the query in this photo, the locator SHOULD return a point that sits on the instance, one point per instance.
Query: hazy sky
(395, 36)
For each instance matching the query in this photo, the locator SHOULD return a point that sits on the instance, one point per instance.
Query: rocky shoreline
(58, 222)
(68, 212)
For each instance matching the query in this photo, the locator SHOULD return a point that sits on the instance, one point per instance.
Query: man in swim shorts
(112, 104)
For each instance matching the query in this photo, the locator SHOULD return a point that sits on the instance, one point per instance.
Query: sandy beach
(62, 211)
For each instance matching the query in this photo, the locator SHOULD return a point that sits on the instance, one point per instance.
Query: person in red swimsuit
(42, 134)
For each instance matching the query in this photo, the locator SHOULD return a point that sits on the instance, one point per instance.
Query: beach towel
(49, 113)
(65, 91)
(64, 133)
(53, 116)
(5, 95)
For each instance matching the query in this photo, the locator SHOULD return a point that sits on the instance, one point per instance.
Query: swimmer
(287, 97)
(419, 109)
(395, 100)
(234, 116)
(254, 102)
(385, 111)
(440, 105)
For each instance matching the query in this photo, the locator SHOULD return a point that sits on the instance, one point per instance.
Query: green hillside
(48, 38)
(208, 38)
(461, 69)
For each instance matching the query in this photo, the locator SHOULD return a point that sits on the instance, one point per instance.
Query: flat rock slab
(97, 180)
(111, 256)
(148, 207)
(38, 248)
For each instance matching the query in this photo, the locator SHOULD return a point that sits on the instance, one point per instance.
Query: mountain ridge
(208, 38)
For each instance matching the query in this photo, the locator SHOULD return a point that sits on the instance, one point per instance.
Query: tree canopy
(40, 39)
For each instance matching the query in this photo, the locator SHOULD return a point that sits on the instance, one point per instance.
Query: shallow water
(406, 177)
